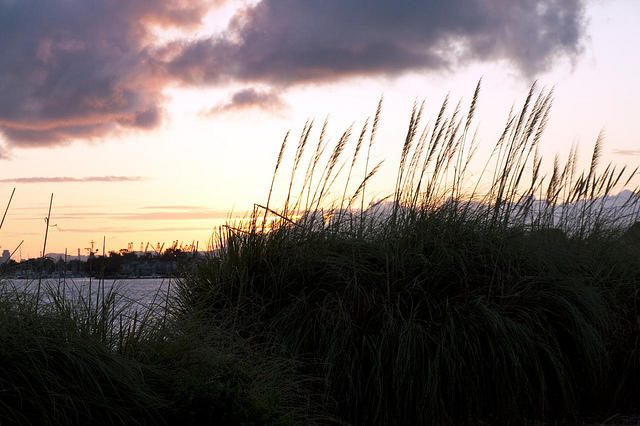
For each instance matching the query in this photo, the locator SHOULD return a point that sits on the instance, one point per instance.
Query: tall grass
(458, 298)
(69, 355)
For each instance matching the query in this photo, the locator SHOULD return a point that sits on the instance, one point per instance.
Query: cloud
(249, 98)
(290, 41)
(76, 69)
(64, 179)
(80, 70)
(168, 214)
(115, 230)
(40, 206)
(629, 152)
(174, 207)
(177, 215)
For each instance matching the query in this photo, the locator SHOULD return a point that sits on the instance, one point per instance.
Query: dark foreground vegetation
(66, 358)
(513, 302)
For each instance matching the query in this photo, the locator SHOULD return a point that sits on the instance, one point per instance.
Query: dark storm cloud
(290, 41)
(74, 69)
(78, 69)
(249, 98)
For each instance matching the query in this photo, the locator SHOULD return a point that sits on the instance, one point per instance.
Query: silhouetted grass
(68, 357)
(503, 297)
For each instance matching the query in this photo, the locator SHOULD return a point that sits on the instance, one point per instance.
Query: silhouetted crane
(90, 249)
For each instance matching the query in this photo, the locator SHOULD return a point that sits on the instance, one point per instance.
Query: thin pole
(104, 263)
(46, 231)
(7, 209)
(44, 250)
(13, 252)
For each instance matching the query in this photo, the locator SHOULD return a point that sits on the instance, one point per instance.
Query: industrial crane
(90, 249)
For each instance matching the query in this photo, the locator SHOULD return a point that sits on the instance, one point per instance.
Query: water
(144, 291)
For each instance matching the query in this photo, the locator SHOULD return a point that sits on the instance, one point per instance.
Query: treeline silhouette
(116, 264)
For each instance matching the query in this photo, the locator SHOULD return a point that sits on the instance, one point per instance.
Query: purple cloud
(249, 98)
(79, 70)
(75, 69)
(290, 41)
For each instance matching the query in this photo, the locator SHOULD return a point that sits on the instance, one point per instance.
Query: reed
(501, 299)
(507, 297)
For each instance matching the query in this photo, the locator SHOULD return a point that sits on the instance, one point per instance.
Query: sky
(157, 120)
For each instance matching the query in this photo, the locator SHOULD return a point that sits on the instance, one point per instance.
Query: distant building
(6, 254)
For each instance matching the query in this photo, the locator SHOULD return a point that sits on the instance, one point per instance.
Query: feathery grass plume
(273, 178)
(327, 173)
(473, 147)
(595, 157)
(431, 196)
(313, 162)
(443, 160)
(414, 122)
(416, 159)
(524, 111)
(546, 109)
(433, 152)
(374, 129)
(431, 149)
(587, 186)
(360, 188)
(568, 174)
(452, 146)
(535, 126)
(595, 160)
(547, 213)
(302, 142)
(461, 163)
(512, 305)
(496, 154)
(506, 163)
(353, 162)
